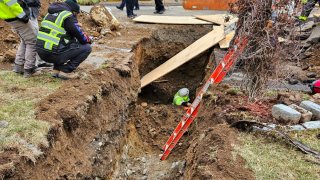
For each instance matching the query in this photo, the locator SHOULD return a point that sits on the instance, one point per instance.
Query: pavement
(174, 10)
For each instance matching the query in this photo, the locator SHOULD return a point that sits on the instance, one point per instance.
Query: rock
(311, 75)
(129, 172)
(285, 113)
(315, 35)
(293, 81)
(105, 31)
(123, 70)
(305, 115)
(312, 107)
(144, 171)
(103, 17)
(144, 104)
(144, 177)
(4, 124)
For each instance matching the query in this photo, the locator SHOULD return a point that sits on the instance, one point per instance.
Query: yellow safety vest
(178, 100)
(10, 9)
(56, 30)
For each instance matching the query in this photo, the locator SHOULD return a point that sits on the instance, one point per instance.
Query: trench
(149, 126)
(106, 133)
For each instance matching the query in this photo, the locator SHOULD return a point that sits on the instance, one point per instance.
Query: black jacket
(70, 24)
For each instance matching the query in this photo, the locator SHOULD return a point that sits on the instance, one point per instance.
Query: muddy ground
(100, 129)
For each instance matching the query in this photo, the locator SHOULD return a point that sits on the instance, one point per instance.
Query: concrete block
(286, 114)
(312, 107)
(305, 115)
(315, 35)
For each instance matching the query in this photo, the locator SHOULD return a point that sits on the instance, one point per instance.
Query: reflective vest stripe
(55, 29)
(48, 38)
(53, 26)
(62, 16)
(21, 14)
(178, 100)
(12, 2)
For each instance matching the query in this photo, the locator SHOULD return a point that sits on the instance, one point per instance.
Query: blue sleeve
(73, 29)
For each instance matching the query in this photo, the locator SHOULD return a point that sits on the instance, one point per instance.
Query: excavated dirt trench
(101, 130)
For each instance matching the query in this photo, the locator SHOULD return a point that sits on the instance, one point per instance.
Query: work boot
(18, 69)
(66, 76)
(55, 73)
(29, 72)
(120, 8)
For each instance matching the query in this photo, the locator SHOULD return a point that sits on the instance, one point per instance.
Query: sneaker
(137, 9)
(55, 73)
(161, 12)
(66, 76)
(120, 8)
(18, 69)
(29, 72)
(132, 16)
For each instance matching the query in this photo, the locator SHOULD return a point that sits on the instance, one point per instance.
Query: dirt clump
(211, 155)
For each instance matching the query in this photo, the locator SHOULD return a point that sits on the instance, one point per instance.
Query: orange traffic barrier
(207, 4)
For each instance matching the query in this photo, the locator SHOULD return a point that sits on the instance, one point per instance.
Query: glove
(89, 39)
(24, 19)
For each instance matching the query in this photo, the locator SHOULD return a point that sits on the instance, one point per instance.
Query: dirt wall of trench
(101, 129)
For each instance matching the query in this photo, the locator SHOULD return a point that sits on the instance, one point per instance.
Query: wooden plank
(225, 43)
(169, 20)
(199, 46)
(215, 18)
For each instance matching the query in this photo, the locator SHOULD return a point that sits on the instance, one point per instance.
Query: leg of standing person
(136, 5)
(121, 6)
(26, 54)
(129, 6)
(159, 7)
(307, 8)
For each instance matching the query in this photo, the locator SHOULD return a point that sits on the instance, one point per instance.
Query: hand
(89, 39)
(24, 19)
(188, 104)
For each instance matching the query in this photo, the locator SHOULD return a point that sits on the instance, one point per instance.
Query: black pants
(68, 60)
(123, 3)
(159, 5)
(129, 7)
(307, 8)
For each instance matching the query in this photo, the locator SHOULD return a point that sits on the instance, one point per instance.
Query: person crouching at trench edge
(61, 41)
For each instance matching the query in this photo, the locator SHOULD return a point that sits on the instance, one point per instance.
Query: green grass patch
(272, 158)
(89, 2)
(18, 99)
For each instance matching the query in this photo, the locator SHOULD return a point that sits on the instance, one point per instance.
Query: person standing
(17, 14)
(159, 7)
(307, 8)
(123, 3)
(34, 6)
(61, 40)
(129, 7)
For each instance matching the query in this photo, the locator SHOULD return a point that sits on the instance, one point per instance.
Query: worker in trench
(61, 41)
(307, 8)
(181, 98)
